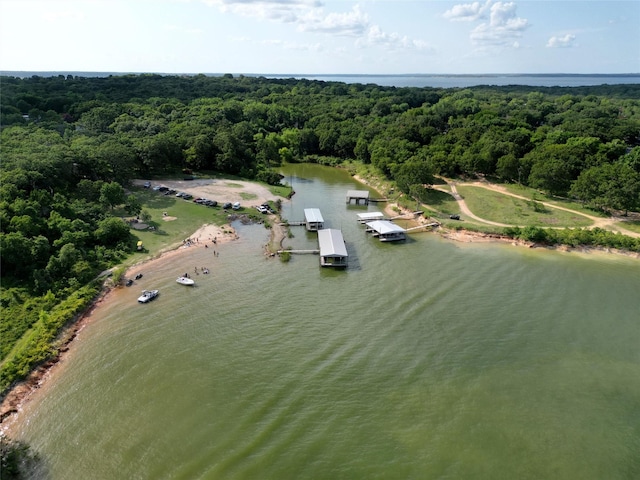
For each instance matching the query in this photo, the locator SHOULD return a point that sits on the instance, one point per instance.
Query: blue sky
(321, 36)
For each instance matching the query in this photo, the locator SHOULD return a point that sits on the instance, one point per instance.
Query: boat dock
(427, 225)
(358, 195)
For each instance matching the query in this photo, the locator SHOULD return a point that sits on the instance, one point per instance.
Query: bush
(16, 459)
(36, 346)
(285, 256)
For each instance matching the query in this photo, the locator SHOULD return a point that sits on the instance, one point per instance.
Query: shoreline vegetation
(22, 391)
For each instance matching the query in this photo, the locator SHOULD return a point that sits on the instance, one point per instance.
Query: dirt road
(607, 223)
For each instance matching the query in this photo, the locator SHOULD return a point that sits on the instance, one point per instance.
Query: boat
(185, 281)
(148, 295)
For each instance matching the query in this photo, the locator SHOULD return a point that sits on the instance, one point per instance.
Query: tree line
(71, 145)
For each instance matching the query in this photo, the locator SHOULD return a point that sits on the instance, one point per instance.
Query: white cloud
(353, 23)
(278, 10)
(502, 27)
(311, 17)
(466, 12)
(392, 41)
(564, 41)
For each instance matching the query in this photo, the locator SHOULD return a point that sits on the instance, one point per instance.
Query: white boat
(185, 281)
(148, 295)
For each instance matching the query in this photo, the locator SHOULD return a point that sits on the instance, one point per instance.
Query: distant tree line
(71, 145)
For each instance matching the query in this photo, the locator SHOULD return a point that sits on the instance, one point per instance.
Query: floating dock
(313, 219)
(370, 217)
(333, 251)
(386, 231)
(358, 195)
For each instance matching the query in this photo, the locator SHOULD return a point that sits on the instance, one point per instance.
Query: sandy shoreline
(22, 392)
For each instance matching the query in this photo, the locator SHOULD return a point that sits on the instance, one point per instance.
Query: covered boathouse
(313, 219)
(333, 251)
(370, 217)
(358, 195)
(386, 231)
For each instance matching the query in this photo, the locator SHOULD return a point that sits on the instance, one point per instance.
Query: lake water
(424, 359)
(412, 80)
(463, 81)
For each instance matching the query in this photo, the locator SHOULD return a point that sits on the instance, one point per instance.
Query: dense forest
(71, 145)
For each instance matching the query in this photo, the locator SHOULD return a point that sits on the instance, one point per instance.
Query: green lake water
(428, 359)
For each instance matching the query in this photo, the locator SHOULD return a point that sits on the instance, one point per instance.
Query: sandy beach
(12, 403)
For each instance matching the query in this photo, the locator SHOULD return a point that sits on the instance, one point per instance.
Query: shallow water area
(423, 359)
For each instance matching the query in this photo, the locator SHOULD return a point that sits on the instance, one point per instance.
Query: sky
(280, 37)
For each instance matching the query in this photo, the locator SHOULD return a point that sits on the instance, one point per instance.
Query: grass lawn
(189, 218)
(439, 204)
(280, 190)
(536, 195)
(634, 225)
(497, 207)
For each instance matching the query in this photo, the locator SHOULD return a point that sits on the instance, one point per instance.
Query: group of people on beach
(204, 270)
(187, 242)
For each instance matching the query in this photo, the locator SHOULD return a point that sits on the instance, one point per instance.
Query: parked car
(226, 205)
(262, 209)
(268, 207)
(236, 206)
(454, 217)
(147, 185)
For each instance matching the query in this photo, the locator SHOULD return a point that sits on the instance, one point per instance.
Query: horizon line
(557, 74)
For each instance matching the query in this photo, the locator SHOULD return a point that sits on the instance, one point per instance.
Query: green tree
(412, 173)
(112, 231)
(550, 174)
(133, 205)
(112, 194)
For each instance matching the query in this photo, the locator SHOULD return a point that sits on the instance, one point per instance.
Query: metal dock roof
(313, 215)
(385, 227)
(331, 243)
(369, 216)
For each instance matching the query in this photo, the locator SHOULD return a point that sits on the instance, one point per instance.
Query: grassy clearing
(439, 204)
(248, 196)
(633, 225)
(280, 190)
(189, 217)
(538, 196)
(498, 207)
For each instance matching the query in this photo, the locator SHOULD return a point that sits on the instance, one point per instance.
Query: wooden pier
(427, 225)
(300, 252)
